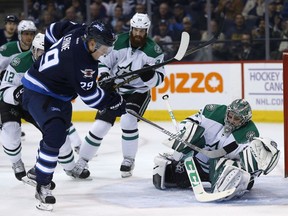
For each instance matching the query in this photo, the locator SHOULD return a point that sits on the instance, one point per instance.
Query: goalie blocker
(261, 156)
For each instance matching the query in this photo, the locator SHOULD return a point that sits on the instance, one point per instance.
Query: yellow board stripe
(163, 115)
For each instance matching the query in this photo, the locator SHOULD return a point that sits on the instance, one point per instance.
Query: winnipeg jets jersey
(57, 30)
(124, 58)
(13, 75)
(211, 118)
(65, 70)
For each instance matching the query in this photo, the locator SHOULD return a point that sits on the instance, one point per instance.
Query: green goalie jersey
(124, 58)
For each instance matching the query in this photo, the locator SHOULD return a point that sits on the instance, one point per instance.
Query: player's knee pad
(11, 135)
(128, 122)
(228, 175)
(55, 131)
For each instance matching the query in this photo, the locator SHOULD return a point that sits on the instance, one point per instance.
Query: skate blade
(28, 181)
(126, 174)
(44, 206)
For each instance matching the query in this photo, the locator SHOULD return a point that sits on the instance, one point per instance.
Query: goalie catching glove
(260, 156)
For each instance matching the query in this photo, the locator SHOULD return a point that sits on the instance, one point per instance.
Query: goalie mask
(238, 113)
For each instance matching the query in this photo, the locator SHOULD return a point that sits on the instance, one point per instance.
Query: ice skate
(127, 167)
(31, 179)
(44, 196)
(19, 169)
(79, 171)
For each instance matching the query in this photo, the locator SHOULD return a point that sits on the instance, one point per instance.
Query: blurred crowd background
(253, 29)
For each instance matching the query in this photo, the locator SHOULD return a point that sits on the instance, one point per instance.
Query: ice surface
(106, 193)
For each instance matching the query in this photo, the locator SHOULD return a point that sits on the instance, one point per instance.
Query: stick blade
(210, 197)
(185, 40)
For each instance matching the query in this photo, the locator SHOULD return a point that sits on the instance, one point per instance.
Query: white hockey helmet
(26, 25)
(38, 45)
(140, 20)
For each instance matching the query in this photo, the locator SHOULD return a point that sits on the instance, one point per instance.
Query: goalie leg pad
(159, 171)
(231, 177)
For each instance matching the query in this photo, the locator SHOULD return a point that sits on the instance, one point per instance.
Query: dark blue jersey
(57, 30)
(67, 69)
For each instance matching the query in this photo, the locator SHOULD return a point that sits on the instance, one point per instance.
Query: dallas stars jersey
(211, 118)
(124, 58)
(65, 70)
(14, 73)
(7, 52)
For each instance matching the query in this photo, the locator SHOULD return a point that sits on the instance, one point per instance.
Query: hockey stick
(137, 72)
(170, 111)
(177, 155)
(211, 154)
(200, 194)
(184, 43)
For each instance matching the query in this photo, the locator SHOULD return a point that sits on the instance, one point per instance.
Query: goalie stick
(211, 154)
(200, 194)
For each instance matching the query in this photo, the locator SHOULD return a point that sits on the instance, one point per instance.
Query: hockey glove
(146, 76)
(116, 104)
(104, 83)
(17, 94)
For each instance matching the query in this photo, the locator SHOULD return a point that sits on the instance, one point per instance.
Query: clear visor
(103, 49)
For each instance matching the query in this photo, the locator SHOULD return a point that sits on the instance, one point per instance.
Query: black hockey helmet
(11, 18)
(101, 32)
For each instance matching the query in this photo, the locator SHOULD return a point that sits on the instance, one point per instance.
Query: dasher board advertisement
(263, 85)
(192, 86)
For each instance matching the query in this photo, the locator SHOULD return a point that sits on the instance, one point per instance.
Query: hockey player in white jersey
(11, 112)
(26, 33)
(215, 127)
(132, 51)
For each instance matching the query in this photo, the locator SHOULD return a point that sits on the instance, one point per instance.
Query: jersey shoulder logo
(210, 107)
(15, 62)
(88, 73)
(157, 48)
(250, 135)
(2, 48)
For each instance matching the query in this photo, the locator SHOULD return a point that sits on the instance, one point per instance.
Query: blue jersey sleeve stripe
(94, 99)
(31, 85)
(49, 34)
